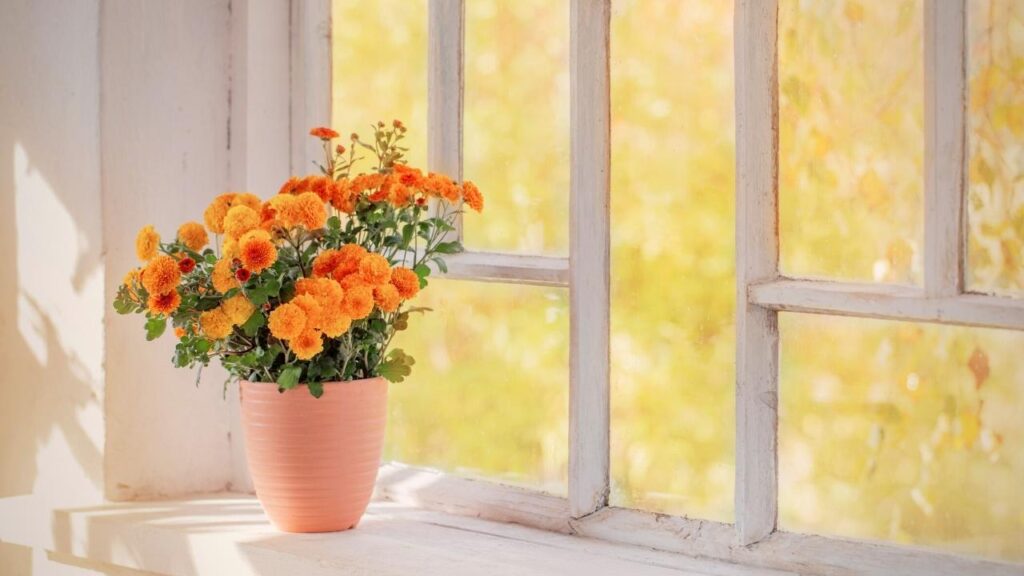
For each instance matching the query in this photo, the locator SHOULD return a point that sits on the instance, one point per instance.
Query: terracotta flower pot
(314, 461)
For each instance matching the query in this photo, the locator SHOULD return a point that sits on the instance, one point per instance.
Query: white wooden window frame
(762, 291)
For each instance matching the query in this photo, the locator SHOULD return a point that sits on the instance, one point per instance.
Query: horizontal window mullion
(509, 268)
(888, 302)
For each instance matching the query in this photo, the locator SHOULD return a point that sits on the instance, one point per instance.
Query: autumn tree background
(899, 431)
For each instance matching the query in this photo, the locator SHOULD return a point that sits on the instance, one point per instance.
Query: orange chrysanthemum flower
(268, 217)
(132, 277)
(229, 250)
(290, 186)
(164, 303)
(439, 185)
(365, 182)
(334, 321)
(400, 195)
(358, 302)
(238, 308)
(375, 270)
(310, 307)
(411, 177)
(384, 192)
(351, 281)
(310, 211)
(216, 211)
(179, 332)
(248, 200)
(471, 194)
(323, 133)
(282, 208)
(405, 281)
(193, 235)
(239, 220)
(326, 291)
(256, 251)
(308, 344)
(147, 241)
(161, 275)
(387, 297)
(351, 256)
(343, 197)
(321, 186)
(223, 277)
(215, 324)
(326, 262)
(286, 321)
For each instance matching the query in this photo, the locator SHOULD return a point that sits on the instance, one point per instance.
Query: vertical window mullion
(310, 79)
(445, 47)
(945, 73)
(757, 259)
(589, 256)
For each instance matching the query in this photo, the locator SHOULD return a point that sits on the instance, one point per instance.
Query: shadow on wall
(51, 286)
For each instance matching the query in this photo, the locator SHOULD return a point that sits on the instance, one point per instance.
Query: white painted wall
(164, 136)
(115, 114)
(260, 135)
(51, 284)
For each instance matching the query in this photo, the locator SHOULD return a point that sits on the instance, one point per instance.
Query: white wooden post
(445, 41)
(945, 74)
(589, 258)
(757, 259)
(311, 80)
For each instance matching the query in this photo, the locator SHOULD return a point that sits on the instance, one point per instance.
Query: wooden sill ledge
(229, 534)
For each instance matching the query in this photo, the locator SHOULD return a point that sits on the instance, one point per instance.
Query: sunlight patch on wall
(58, 303)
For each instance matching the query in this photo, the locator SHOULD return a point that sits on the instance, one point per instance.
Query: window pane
(516, 143)
(904, 432)
(488, 396)
(996, 199)
(851, 105)
(370, 83)
(672, 257)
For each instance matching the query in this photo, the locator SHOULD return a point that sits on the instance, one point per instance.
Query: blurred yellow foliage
(888, 430)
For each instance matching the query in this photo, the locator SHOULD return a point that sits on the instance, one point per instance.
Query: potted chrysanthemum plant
(299, 297)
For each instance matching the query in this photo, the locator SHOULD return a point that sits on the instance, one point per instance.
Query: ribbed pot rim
(332, 383)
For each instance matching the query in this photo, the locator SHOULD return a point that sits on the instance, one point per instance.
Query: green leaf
(258, 297)
(203, 345)
(453, 247)
(334, 223)
(401, 322)
(205, 304)
(407, 231)
(155, 327)
(422, 270)
(254, 323)
(396, 366)
(441, 265)
(124, 306)
(316, 389)
(289, 378)
(270, 355)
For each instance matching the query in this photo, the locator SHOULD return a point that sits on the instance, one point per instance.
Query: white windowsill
(229, 534)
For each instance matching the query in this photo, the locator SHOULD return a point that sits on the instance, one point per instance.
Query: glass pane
(672, 257)
(996, 199)
(488, 396)
(910, 433)
(851, 104)
(370, 83)
(516, 143)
